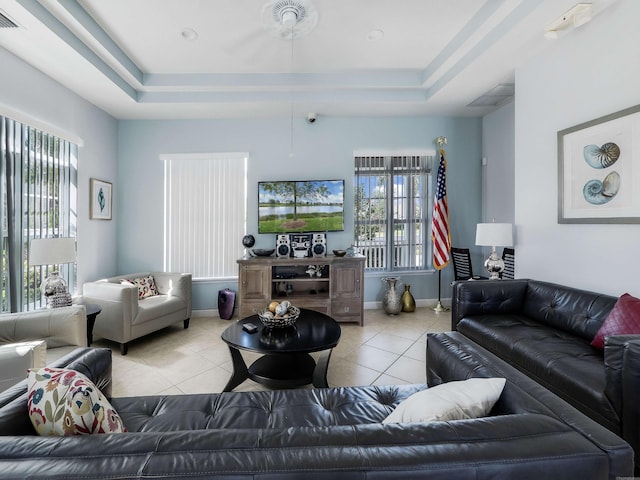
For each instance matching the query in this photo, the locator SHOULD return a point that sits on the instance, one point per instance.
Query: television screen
(300, 206)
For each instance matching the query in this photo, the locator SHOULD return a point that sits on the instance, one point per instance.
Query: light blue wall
(36, 96)
(323, 150)
(561, 88)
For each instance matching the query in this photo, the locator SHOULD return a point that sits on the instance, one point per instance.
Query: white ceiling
(130, 58)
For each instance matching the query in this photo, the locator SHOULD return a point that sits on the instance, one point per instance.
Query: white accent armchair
(124, 317)
(34, 339)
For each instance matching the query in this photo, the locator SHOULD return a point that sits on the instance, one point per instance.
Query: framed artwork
(599, 170)
(100, 205)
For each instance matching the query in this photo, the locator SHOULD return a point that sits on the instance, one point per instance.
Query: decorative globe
(248, 241)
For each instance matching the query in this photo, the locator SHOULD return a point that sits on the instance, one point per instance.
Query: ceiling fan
(289, 19)
(282, 19)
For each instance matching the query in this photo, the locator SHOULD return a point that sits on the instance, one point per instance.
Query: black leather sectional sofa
(333, 433)
(545, 330)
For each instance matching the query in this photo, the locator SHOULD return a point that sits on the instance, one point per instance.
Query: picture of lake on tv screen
(301, 206)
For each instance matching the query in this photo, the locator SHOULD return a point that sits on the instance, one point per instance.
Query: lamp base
(494, 265)
(54, 289)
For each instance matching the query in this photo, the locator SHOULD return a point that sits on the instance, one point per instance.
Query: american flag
(440, 219)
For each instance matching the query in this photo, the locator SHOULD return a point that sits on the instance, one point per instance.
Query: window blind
(205, 213)
(38, 188)
(391, 210)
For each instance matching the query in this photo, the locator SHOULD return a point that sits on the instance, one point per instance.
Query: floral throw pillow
(146, 286)
(65, 402)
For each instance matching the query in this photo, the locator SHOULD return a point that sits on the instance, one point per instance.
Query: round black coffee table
(286, 362)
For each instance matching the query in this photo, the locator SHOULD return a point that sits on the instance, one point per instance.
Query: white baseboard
(446, 302)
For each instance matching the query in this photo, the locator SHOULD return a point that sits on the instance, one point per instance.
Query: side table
(93, 310)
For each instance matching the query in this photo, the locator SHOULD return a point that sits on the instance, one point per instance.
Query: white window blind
(38, 189)
(205, 213)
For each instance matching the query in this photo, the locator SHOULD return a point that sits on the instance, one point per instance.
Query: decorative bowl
(263, 252)
(339, 253)
(270, 320)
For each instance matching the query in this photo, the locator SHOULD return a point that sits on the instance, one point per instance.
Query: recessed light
(375, 34)
(189, 34)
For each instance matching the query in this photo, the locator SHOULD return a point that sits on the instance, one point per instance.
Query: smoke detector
(289, 19)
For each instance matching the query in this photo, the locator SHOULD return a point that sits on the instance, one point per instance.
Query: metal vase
(391, 301)
(408, 302)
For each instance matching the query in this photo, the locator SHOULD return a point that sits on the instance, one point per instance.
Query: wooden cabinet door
(346, 292)
(255, 288)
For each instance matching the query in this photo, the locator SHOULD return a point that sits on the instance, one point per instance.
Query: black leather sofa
(545, 330)
(332, 433)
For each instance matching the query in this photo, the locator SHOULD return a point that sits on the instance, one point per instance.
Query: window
(391, 204)
(38, 185)
(205, 213)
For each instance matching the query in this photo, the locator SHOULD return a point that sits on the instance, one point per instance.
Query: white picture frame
(100, 199)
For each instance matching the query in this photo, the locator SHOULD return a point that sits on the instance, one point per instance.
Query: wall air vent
(6, 22)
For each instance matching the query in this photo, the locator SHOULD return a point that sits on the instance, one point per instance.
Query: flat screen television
(301, 206)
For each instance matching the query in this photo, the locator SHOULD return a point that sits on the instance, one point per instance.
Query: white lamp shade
(494, 235)
(52, 251)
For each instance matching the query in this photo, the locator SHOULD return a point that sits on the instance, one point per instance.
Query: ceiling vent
(6, 22)
(494, 97)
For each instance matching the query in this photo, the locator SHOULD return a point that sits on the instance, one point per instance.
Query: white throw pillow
(470, 398)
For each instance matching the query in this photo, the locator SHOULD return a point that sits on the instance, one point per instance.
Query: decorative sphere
(248, 241)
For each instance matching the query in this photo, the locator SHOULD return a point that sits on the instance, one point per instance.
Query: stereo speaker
(283, 247)
(319, 244)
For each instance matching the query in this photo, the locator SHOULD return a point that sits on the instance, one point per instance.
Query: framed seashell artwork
(599, 170)
(100, 199)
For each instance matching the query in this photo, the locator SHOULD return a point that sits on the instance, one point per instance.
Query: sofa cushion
(65, 402)
(624, 319)
(576, 311)
(472, 398)
(319, 407)
(564, 363)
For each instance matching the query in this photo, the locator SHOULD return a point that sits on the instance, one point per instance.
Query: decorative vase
(226, 302)
(391, 301)
(408, 302)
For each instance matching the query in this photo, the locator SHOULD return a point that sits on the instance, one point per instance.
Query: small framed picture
(100, 205)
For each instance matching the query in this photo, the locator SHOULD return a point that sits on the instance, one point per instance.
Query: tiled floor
(386, 350)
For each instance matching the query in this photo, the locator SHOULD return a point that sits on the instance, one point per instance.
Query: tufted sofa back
(569, 309)
(320, 407)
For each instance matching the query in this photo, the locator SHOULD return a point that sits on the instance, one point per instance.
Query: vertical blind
(205, 213)
(38, 188)
(391, 210)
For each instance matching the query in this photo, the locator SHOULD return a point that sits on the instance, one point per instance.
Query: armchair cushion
(17, 358)
(59, 327)
(53, 332)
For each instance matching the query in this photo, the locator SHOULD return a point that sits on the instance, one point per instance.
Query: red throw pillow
(623, 319)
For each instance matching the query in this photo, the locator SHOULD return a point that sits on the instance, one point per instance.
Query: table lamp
(53, 251)
(492, 235)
